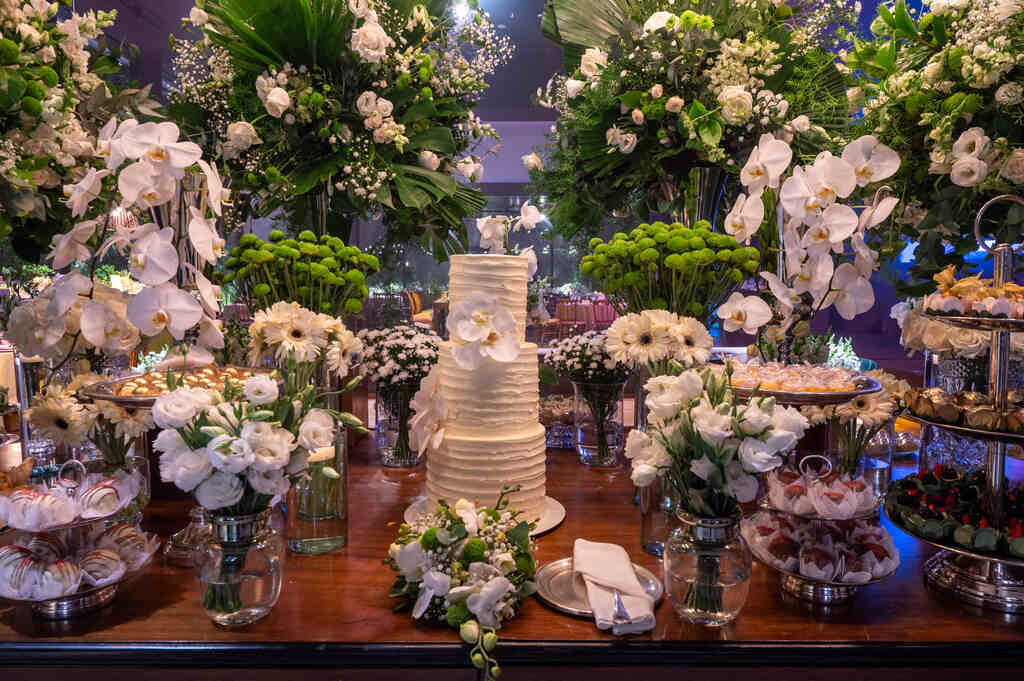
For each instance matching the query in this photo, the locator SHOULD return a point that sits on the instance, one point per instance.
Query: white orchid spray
(481, 328)
(824, 241)
(496, 230)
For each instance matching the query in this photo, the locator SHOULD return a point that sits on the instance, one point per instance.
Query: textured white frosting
(503, 276)
(493, 438)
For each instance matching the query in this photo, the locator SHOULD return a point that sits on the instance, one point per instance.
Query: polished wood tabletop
(335, 608)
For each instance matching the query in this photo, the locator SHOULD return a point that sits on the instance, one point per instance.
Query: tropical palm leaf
(584, 22)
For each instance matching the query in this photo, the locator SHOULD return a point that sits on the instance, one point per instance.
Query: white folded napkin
(606, 568)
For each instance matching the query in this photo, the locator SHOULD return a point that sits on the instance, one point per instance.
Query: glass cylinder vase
(317, 507)
(392, 431)
(597, 422)
(707, 567)
(240, 567)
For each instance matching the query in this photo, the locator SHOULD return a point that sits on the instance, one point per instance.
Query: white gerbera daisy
(128, 423)
(635, 339)
(342, 352)
(871, 410)
(61, 419)
(294, 329)
(692, 342)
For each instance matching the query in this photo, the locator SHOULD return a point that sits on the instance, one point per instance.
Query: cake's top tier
(503, 276)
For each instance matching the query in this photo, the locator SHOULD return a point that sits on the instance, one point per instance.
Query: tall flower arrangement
(648, 95)
(369, 102)
(946, 91)
(51, 96)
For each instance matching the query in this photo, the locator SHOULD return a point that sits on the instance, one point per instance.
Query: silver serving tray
(823, 582)
(956, 548)
(107, 391)
(766, 504)
(865, 386)
(978, 323)
(565, 591)
(977, 433)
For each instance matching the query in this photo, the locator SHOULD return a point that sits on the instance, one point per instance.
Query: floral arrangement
(287, 332)
(827, 260)
(670, 267)
(650, 95)
(466, 566)
(707, 444)
(944, 90)
(495, 230)
(52, 100)
(974, 297)
(658, 340)
(372, 109)
(585, 359)
(319, 274)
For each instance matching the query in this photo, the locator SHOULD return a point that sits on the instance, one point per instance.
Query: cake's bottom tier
(478, 467)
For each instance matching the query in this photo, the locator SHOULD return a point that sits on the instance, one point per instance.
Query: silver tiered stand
(976, 578)
(816, 591)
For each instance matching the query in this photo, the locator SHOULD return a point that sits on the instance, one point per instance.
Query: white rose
(801, 123)
(198, 17)
(229, 454)
(1010, 94)
(968, 343)
(47, 54)
(271, 483)
(429, 160)
(657, 91)
(592, 62)
(627, 142)
(573, 87)
(277, 102)
(968, 172)
(658, 21)
(533, 162)
(260, 389)
(1013, 169)
(638, 116)
(317, 430)
(178, 407)
(241, 135)
(189, 469)
(371, 43)
(385, 107)
(737, 104)
(219, 490)
(674, 104)
(643, 474)
(374, 120)
(366, 103)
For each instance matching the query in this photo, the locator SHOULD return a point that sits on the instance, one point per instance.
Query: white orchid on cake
(481, 328)
(431, 414)
(495, 230)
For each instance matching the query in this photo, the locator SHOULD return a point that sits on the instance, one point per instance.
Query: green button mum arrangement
(322, 274)
(689, 271)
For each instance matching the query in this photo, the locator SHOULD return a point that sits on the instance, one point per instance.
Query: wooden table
(334, 613)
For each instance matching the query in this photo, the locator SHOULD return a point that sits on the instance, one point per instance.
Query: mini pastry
(24, 575)
(10, 555)
(123, 538)
(60, 579)
(49, 546)
(100, 564)
(101, 499)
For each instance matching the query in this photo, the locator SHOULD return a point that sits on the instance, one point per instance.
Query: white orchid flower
(745, 218)
(788, 297)
(878, 212)
(215, 189)
(67, 248)
(748, 313)
(865, 258)
(65, 292)
(484, 603)
(108, 142)
(814, 275)
(107, 330)
(435, 583)
(78, 196)
(837, 223)
(202, 232)
(411, 560)
(154, 258)
(480, 327)
(141, 184)
(767, 162)
(161, 307)
(529, 217)
(209, 293)
(492, 233)
(871, 160)
(852, 292)
(810, 190)
(210, 333)
(531, 259)
(427, 427)
(470, 169)
(124, 237)
(158, 144)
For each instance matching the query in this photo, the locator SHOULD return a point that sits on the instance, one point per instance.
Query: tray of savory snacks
(970, 414)
(141, 390)
(820, 560)
(69, 572)
(947, 508)
(797, 385)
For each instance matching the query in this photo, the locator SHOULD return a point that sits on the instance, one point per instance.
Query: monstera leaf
(584, 22)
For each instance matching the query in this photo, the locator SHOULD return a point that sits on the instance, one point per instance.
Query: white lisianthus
(592, 62)
(714, 428)
(385, 107)
(737, 104)
(742, 486)
(627, 142)
(317, 430)
(429, 160)
(757, 456)
(176, 408)
(968, 172)
(573, 87)
(1013, 168)
(241, 136)
(371, 42)
(187, 469)
(229, 454)
(972, 142)
(533, 162)
(658, 21)
(260, 389)
(272, 483)
(277, 102)
(273, 451)
(219, 491)
(643, 475)
(674, 104)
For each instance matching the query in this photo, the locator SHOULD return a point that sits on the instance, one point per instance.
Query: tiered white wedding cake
(494, 438)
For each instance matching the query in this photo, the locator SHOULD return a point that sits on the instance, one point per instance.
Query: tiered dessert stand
(86, 599)
(979, 579)
(816, 591)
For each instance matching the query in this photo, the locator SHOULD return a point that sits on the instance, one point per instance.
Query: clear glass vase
(658, 504)
(392, 432)
(597, 421)
(240, 567)
(707, 569)
(317, 507)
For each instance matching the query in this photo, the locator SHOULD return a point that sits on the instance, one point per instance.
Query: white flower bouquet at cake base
(709, 447)
(467, 566)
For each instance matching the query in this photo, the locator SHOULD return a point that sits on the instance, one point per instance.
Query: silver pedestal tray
(984, 582)
(865, 386)
(967, 431)
(819, 592)
(978, 323)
